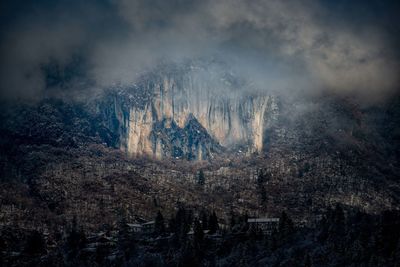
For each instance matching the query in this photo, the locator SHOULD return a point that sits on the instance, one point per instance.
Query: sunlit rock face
(192, 111)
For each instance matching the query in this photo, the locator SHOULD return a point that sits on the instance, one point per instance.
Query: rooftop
(262, 220)
(134, 225)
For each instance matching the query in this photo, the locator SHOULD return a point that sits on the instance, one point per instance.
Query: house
(135, 227)
(266, 225)
(148, 227)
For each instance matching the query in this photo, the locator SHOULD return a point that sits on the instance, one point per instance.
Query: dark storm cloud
(279, 45)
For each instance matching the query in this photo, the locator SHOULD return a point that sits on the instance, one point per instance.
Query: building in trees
(148, 227)
(266, 225)
(135, 227)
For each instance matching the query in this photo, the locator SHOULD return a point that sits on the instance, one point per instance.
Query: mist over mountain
(199, 133)
(281, 46)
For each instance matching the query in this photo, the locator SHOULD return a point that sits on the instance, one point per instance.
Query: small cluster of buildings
(147, 227)
(265, 225)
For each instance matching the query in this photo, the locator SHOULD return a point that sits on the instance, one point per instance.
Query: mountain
(192, 111)
(193, 135)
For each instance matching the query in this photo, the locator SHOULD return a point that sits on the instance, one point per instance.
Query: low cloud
(277, 45)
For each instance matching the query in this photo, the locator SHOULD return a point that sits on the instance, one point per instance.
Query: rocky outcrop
(157, 114)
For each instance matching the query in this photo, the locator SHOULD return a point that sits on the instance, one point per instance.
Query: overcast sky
(348, 47)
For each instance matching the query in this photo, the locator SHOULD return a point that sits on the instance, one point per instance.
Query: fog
(54, 47)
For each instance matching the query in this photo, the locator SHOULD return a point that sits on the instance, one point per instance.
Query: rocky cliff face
(191, 112)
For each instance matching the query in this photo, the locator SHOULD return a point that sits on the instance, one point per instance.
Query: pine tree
(263, 194)
(182, 220)
(122, 225)
(213, 223)
(338, 221)
(262, 178)
(204, 220)
(159, 227)
(201, 179)
(244, 222)
(198, 237)
(172, 225)
(126, 240)
(76, 239)
(286, 228)
(182, 227)
(337, 229)
(232, 221)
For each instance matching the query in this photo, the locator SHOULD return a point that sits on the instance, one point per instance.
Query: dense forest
(342, 237)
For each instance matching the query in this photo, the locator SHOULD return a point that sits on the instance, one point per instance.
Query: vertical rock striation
(191, 112)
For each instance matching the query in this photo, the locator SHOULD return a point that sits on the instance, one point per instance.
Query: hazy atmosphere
(200, 133)
(346, 47)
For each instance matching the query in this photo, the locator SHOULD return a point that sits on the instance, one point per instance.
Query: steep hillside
(314, 153)
(66, 162)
